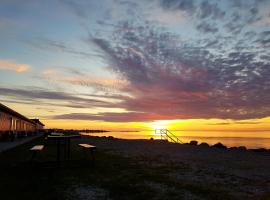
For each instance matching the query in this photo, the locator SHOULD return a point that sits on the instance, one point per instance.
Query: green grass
(121, 177)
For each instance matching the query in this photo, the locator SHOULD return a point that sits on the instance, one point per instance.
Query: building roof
(8, 110)
(38, 122)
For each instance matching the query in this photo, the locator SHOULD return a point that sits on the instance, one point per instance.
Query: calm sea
(254, 139)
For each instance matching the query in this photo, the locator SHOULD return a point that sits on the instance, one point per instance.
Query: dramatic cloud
(221, 74)
(165, 59)
(178, 80)
(13, 66)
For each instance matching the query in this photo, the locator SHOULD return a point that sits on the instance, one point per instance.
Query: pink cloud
(13, 66)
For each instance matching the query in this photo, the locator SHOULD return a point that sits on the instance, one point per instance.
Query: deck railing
(165, 134)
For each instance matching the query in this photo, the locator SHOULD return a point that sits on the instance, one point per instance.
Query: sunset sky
(137, 64)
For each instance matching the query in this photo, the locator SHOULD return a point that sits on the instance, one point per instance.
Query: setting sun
(162, 124)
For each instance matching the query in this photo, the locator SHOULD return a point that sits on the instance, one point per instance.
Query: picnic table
(66, 139)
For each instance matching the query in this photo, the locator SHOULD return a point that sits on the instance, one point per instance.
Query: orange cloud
(11, 65)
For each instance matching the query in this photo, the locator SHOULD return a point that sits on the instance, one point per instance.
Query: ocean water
(249, 139)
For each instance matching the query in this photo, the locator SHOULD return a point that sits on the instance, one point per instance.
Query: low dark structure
(39, 124)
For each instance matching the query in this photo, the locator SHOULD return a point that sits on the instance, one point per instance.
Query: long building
(39, 124)
(14, 124)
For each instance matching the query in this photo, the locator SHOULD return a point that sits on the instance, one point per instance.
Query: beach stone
(110, 137)
(233, 148)
(219, 145)
(193, 142)
(204, 144)
(242, 148)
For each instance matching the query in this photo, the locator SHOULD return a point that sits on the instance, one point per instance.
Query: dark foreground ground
(135, 169)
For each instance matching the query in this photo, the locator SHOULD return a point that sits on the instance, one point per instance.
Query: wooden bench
(35, 149)
(88, 147)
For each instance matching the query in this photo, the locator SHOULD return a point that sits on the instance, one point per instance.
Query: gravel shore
(243, 174)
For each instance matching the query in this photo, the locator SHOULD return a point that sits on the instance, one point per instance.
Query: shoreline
(201, 140)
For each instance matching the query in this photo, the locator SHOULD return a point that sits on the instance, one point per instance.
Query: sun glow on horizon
(172, 125)
(163, 124)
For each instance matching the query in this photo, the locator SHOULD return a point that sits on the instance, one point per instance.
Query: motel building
(15, 125)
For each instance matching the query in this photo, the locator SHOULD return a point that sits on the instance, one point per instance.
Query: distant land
(77, 130)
